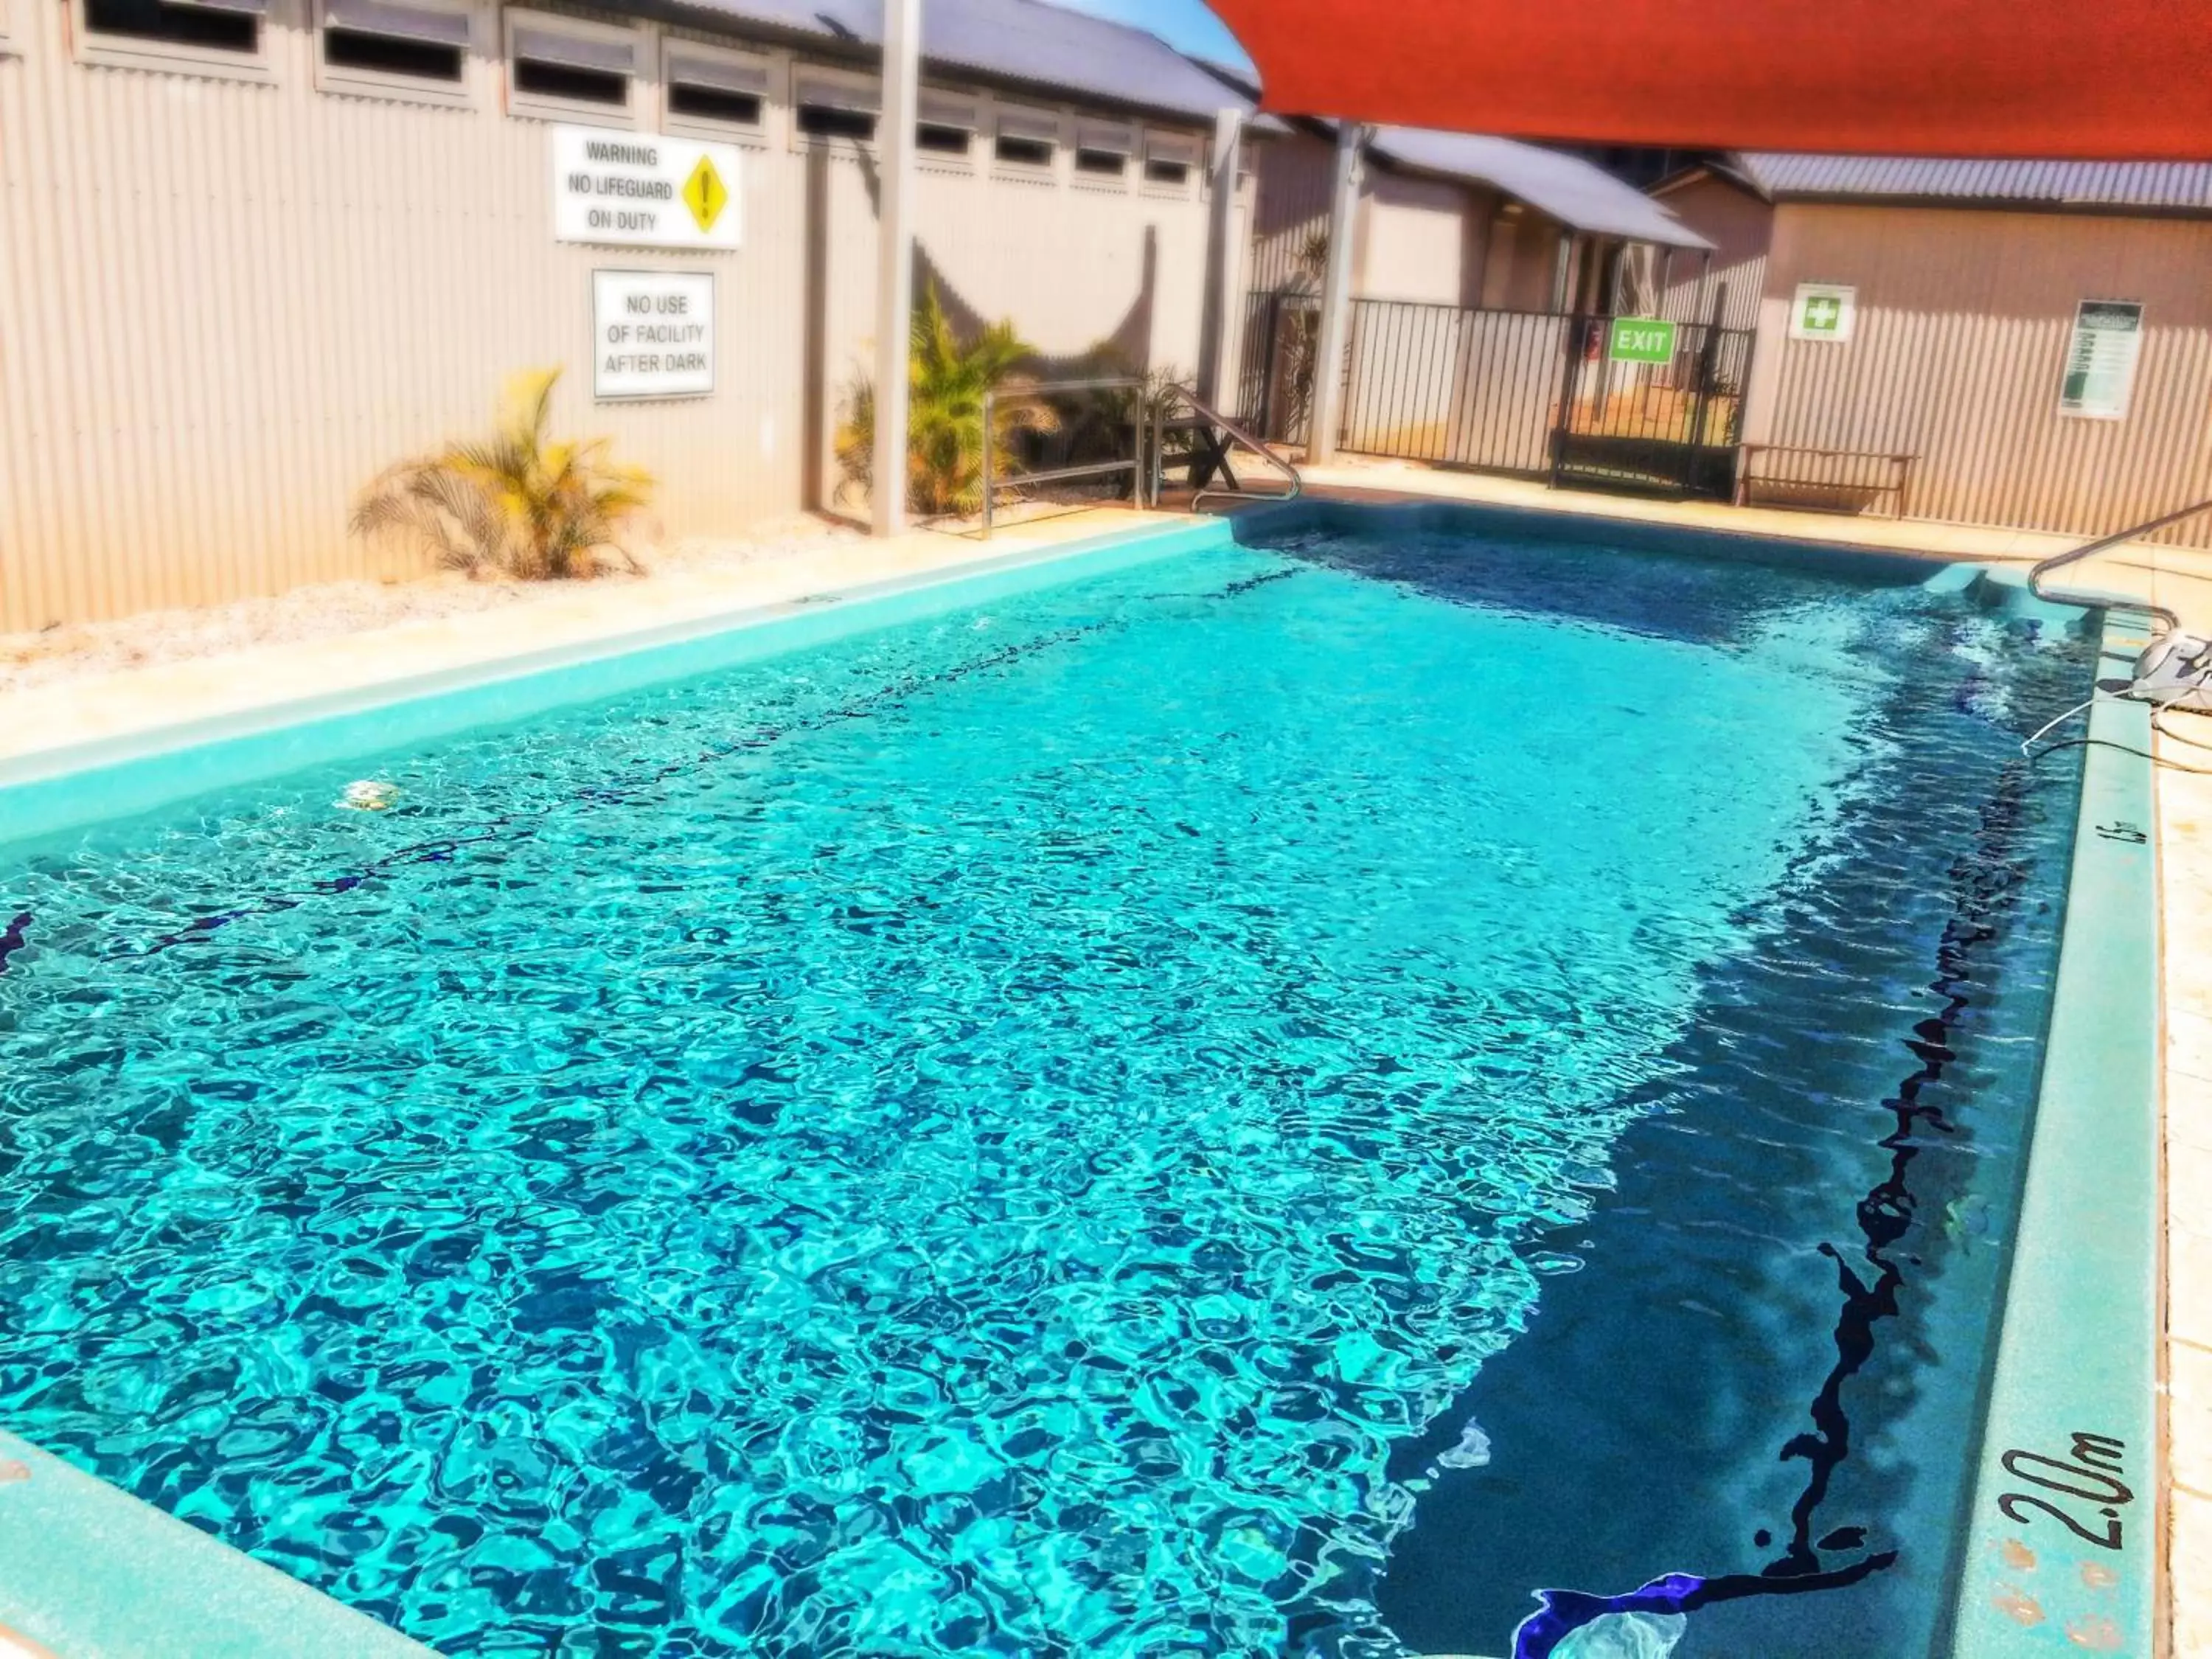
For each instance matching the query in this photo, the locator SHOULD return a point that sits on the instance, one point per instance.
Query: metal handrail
(1134, 465)
(1239, 436)
(2158, 613)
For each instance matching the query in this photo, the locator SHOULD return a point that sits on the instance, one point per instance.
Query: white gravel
(54, 655)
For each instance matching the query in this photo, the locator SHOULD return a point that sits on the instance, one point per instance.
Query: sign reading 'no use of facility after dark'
(653, 333)
(641, 189)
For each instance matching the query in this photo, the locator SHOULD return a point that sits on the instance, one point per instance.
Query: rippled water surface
(1183, 1113)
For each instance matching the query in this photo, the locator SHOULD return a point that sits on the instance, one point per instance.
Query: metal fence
(1465, 388)
(1526, 392)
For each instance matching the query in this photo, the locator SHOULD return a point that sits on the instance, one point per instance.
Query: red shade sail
(2118, 79)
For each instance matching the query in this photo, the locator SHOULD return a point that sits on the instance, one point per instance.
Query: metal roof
(1055, 50)
(1579, 195)
(2168, 186)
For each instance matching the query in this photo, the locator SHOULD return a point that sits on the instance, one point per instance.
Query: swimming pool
(1275, 1099)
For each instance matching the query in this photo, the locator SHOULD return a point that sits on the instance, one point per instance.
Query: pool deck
(119, 707)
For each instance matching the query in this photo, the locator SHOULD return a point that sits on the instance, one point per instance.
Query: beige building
(2011, 344)
(254, 251)
(1469, 253)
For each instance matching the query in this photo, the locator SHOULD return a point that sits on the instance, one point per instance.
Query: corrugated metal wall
(1077, 264)
(1738, 226)
(225, 305)
(1290, 210)
(1419, 238)
(1963, 324)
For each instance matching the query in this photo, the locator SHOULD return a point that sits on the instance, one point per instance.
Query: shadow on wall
(1127, 344)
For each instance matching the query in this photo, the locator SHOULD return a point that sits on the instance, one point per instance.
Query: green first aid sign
(1823, 311)
(1641, 340)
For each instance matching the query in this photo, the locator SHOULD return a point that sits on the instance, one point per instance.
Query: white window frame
(2081, 412)
(938, 108)
(124, 51)
(643, 99)
(858, 92)
(1035, 120)
(1187, 148)
(466, 93)
(1120, 138)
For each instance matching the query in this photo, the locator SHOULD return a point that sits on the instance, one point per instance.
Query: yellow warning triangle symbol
(705, 194)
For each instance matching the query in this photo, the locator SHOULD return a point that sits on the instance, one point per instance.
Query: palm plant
(946, 380)
(517, 505)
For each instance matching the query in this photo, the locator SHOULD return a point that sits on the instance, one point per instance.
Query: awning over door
(2115, 79)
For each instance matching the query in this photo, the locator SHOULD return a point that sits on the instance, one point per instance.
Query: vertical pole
(1267, 428)
(1335, 296)
(1220, 255)
(990, 487)
(895, 250)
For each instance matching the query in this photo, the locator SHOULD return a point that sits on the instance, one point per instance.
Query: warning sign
(704, 195)
(641, 189)
(653, 333)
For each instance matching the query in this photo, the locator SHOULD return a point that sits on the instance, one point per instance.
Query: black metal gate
(1670, 425)
(1535, 393)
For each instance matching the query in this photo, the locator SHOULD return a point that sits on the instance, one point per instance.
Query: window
(215, 36)
(1027, 138)
(2100, 360)
(414, 50)
(946, 125)
(831, 106)
(1103, 150)
(1170, 160)
(568, 69)
(710, 87)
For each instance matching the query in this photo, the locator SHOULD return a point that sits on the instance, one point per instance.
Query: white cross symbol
(1821, 315)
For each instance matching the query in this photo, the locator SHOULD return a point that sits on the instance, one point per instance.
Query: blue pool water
(1277, 1101)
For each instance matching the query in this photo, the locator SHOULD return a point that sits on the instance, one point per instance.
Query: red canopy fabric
(2117, 80)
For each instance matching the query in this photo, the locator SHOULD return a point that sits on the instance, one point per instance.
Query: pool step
(2003, 588)
(87, 1571)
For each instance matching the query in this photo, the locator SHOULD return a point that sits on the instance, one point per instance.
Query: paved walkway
(2185, 835)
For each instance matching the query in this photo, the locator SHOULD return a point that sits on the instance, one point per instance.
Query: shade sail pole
(1335, 297)
(1221, 251)
(895, 150)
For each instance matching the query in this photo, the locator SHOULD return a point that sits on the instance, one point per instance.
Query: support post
(895, 150)
(1221, 249)
(1335, 297)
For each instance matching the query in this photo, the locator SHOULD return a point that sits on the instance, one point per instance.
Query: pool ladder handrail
(2169, 623)
(1295, 485)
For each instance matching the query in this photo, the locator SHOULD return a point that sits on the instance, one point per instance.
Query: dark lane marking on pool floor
(1984, 883)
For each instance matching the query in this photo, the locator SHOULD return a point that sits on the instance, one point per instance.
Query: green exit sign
(1641, 340)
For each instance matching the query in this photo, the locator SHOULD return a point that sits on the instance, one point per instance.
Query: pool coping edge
(2077, 1346)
